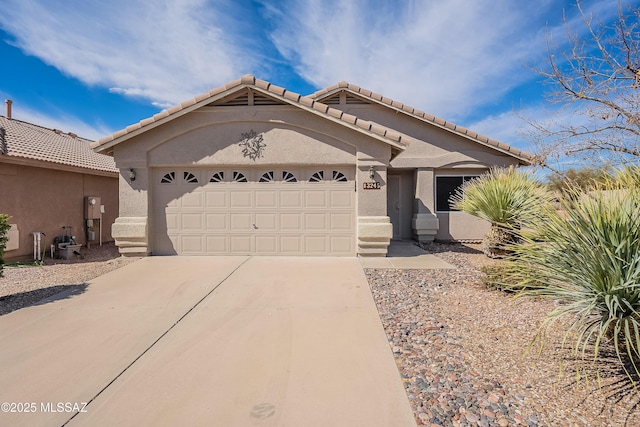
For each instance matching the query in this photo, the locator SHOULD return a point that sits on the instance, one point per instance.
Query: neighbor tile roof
(28, 141)
(484, 140)
(396, 139)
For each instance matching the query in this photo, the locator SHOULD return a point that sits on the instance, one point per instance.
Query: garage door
(254, 211)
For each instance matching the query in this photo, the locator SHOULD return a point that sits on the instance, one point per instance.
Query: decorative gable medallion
(252, 145)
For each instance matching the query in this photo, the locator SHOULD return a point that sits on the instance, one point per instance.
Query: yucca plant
(589, 263)
(506, 197)
(627, 177)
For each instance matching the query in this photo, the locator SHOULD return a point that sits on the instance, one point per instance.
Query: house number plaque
(371, 185)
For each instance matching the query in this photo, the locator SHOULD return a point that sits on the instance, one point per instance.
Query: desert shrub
(4, 229)
(565, 183)
(589, 263)
(504, 277)
(506, 197)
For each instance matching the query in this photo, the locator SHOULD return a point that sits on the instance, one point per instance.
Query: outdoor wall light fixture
(372, 172)
(132, 175)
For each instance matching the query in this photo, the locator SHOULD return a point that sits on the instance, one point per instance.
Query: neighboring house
(251, 168)
(46, 177)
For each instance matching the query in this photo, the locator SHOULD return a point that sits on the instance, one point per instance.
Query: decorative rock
(421, 315)
(472, 418)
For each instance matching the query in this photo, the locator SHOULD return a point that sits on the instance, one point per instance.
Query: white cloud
(162, 51)
(447, 58)
(63, 121)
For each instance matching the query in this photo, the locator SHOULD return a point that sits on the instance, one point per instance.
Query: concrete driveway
(205, 341)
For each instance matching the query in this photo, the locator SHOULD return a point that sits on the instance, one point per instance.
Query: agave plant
(590, 264)
(509, 199)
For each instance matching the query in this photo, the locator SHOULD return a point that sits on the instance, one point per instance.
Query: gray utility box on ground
(65, 250)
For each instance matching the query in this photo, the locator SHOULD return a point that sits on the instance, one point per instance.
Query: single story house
(47, 181)
(252, 168)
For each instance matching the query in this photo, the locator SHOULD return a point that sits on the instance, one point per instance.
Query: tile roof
(20, 139)
(474, 136)
(395, 138)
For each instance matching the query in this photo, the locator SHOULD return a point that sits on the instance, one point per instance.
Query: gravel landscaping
(461, 349)
(26, 283)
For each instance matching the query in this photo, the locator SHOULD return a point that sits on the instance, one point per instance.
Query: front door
(393, 203)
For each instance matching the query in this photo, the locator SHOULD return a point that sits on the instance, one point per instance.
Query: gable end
(246, 98)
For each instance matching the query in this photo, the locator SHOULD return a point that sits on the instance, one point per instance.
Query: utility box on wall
(92, 207)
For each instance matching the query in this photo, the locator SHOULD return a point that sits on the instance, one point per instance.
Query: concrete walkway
(215, 341)
(404, 255)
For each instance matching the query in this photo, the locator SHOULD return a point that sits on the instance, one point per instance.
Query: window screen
(446, 186)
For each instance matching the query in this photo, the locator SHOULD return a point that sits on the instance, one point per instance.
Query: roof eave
(524, 158)
(106, 144)
(26, 161)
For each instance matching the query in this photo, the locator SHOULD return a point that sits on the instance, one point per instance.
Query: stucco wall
(42, 199)
(433, 147)
(211, 136)
(435, 152)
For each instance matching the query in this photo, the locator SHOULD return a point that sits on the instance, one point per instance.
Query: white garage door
(254, 211)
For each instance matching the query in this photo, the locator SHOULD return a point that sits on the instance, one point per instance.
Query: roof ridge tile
(248, 79)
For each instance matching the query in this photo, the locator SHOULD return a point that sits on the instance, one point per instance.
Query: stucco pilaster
(131, 235)
(374, 235)
(374, 226)
(130, 229)
(371, 202)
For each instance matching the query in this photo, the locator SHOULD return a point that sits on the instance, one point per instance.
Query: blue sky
(93, 67)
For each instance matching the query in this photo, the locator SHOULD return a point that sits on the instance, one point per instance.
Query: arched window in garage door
(288, 177)
(317, 177)
(239, 177)
(217, 177)
(168, 178)
(266, 177)
(189, 177)
(339, 176)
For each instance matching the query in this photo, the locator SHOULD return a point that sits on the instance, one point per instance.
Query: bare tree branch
(596, 80)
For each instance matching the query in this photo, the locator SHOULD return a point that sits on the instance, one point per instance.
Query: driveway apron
(215, 341)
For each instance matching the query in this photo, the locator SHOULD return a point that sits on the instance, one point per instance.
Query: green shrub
(4, 229)
(506, 197)
(589, 263)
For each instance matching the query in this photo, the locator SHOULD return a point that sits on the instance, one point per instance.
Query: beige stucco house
(252, 168)
(47, 179)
